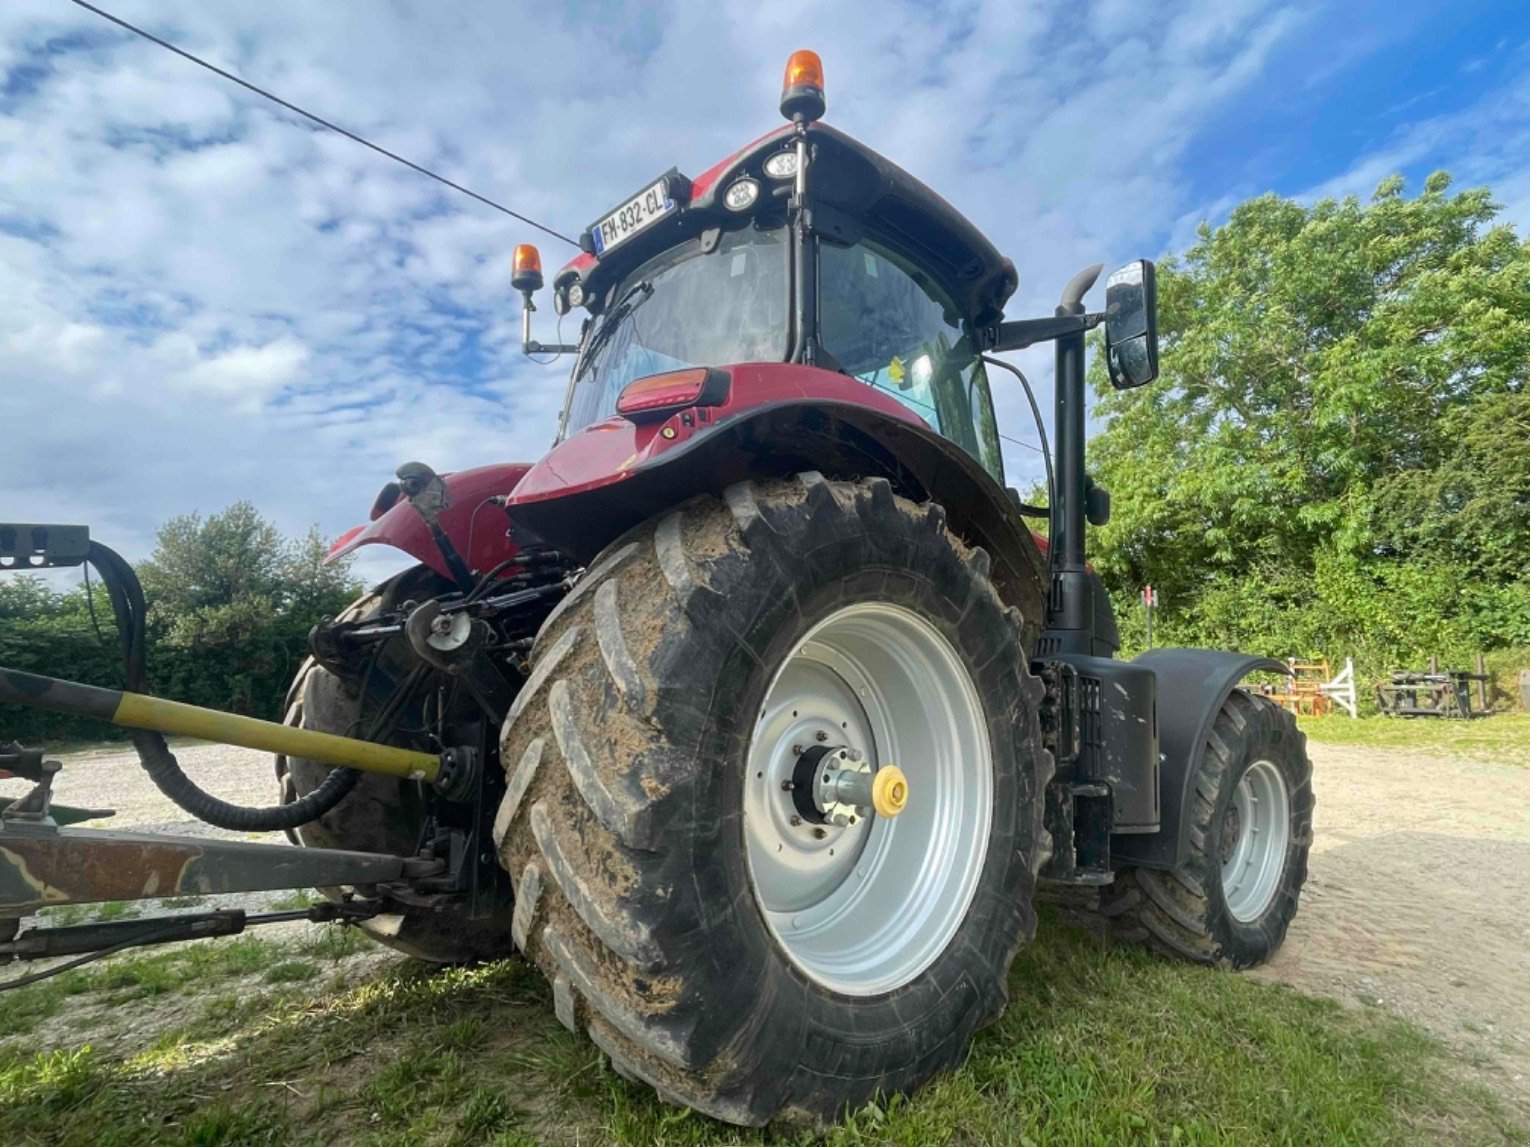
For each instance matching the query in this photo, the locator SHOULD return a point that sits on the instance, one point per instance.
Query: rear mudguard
(1193, 684)
(476, 526)
(780, 419)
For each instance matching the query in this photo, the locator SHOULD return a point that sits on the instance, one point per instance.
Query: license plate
(643, 210)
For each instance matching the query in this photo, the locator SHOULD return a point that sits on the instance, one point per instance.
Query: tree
(231, 602)
(230, 605)
(1334, 461)
(216, 582)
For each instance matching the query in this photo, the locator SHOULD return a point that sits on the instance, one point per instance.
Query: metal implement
(90, 942)
(1410, 694)
(41, 865)
(138, 711)
(78, 939)
(1313, 689)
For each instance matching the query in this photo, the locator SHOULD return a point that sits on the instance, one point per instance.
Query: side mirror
(1131, 325)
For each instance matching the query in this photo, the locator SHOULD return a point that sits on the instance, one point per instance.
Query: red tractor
(753, 713)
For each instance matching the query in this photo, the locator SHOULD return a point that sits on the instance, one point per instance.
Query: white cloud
(209, 299)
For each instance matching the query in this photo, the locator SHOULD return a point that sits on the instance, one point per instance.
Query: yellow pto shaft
(138, 711)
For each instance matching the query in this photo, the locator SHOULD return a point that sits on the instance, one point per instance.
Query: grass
(197, 967)
(1503, 737)
(1099, 1045)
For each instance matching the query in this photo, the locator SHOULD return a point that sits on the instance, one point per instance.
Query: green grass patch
(195, 967)
(1503, 738)
(289, 972)
(1099, 1045)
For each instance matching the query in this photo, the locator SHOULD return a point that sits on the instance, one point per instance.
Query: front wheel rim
(865, 908)
(1256, 834)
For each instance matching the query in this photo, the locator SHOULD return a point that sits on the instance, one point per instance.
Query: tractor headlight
(576, 294)
(741, 196)
(782, 165)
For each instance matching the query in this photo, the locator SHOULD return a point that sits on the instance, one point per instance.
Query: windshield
(683, 309)
(888, 324)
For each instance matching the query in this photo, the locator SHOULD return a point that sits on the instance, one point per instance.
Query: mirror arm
(530, 345)
(1021, 333)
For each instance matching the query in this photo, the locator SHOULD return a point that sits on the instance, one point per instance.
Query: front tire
(1232, 900)
(669, 691)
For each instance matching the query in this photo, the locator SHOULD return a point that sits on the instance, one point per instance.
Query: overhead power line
(121, 23)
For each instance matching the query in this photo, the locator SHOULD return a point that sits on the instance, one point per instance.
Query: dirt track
(1418, 901)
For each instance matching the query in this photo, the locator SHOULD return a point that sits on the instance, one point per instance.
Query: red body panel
(484, 543)
(608, 452)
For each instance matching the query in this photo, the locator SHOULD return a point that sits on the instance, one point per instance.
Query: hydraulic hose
(126, 594)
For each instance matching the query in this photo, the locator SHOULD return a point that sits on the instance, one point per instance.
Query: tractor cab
(804, 247)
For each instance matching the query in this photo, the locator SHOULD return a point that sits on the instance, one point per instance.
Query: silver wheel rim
(864, 908)
(1255, 834)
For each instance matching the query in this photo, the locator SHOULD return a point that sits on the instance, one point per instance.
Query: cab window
(891, 326)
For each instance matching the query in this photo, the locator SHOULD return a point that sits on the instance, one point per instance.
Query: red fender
(478, 528)
(612, 451)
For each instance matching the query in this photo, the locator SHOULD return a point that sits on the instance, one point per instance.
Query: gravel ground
(1416, 902)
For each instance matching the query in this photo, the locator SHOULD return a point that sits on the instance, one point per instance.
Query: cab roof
(855, 192)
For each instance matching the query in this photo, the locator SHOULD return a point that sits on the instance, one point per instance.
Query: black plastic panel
(1118, 737)
(24, 546)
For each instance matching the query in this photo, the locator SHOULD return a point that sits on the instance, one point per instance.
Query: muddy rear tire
(1232, 900)
(636, 770)
(381, 814)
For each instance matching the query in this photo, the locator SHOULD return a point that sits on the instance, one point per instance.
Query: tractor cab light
(526, 268)
(782, 165)
(802, 93)
(741, 196)
(660, 395)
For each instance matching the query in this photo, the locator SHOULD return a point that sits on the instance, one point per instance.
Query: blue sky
(207, 299)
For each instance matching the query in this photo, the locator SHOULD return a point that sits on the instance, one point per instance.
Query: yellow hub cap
(889, 791)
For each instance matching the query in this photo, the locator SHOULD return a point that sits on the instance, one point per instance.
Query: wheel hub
(1232, 825)
(835, 784)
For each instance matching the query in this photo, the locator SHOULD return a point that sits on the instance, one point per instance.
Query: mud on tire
(1184, 913)
(622, 825)
(381, 814)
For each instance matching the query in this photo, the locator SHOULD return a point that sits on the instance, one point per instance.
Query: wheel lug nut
(821, 735)
(820, 833)
(796, 820)
(796, 750)
(788, 786)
